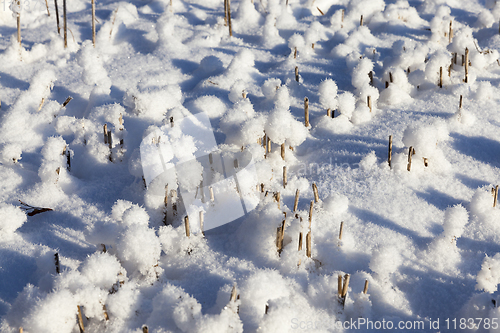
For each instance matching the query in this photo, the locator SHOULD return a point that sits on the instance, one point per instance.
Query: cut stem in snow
(80, 319)
(229, 17)
(346, 285)
(186, 225)
(440, 77)
(450, 35)
(297, 73)
(67, 101)
(306, 111)
(361, 21)
(105, 129)
(65, 25)
(284, 177)
(466, 80)
(57, 18)
(369, 102)
(93, 22)
(341, 230)
(494, 191)
(56, 261)
(315, 190)
(47, 5)
(202, 220)
(342, 18)
(296, 202)
(389, 158)
(339, 285)
(370, 74)
(411, 152)
(329, 113)
(283, 151)
(18, 27)
(308, 244)
(106, 315)
(311, 213)
(460, 103)
(365, 289)
(233, 294)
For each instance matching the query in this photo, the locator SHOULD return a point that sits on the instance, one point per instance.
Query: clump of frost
(153, 102)
(369, 161)
(485, 19)
(102, 270)
(440, 24)
(399, 89)
(486, 217)
(209, 104)
(10, 153)
(270, 87)
(11, 218)
(246, 17)
(488, 277)
(424, 139)
(336, 204)
(385, 261)
(437, 60)
(281, 126)
(270, 34)
(327, 94)
(347, 103)
(443, 250)
(54, 162)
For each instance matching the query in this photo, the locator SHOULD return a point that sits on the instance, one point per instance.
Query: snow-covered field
(85, 244)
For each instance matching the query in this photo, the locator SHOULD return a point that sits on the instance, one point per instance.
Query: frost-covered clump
(438, 61)
(443, 250)
(152, 102)
(398, 90)
(368, 94)
(488, 277)
(485, 222)
(385, 261)
(246, 17)
(328, 94)
(281, 126)
(440, 24)
(11, 218)
(233, 121)
(128, 237)
(424, 139)
(241, 68)
(211, 105)
(54, 162)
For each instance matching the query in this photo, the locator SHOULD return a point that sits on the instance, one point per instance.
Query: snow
(95, 221)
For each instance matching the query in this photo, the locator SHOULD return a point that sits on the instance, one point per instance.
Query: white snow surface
(82, 233)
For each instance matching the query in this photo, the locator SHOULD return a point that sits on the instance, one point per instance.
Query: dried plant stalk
(450, 34)
(308, 244)
(315, 190)
(361, 21)
(494, 191)
(202, 221)
(329, 113)
(106, 315)
(284, 177)
(80, 319)
(365, 289)
(310, 213)
(339, 288)
(460, 103)
(389, 158)
(411, 151)
(57, 17)
(346, 285)
(297, 73)
(283, 151)
(369, 102)
(65, 25)
(306, 111)
(186, 225)
(440, 77)
(466, 80)
(93, 22)
(19, 26)
(229, 17)
(296, 202)
(341, 230)
(233, 294)
(47, 5)
(58, 265)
